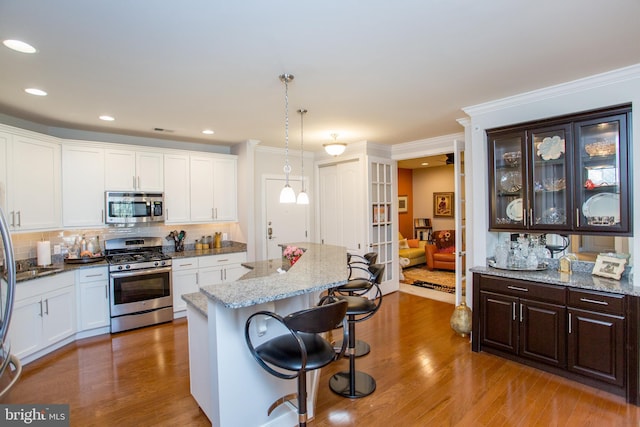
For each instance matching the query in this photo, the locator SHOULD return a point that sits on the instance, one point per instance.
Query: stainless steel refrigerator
(9, 365)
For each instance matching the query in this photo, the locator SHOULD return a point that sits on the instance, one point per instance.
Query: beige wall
(426, 181)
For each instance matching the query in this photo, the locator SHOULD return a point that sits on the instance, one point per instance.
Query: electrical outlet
(56, 249)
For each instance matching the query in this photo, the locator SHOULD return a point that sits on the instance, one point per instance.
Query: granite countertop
(320, 268)
(197, 300)
(58, 268)
(578, 279)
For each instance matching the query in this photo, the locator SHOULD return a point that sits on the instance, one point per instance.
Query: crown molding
(575, 86)
(425, 147)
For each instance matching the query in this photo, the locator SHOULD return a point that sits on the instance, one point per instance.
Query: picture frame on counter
(610, 267)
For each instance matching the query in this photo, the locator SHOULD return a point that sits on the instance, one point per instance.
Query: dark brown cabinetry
(596, 336)
(587, 336)
(569, 174)
(524, 319)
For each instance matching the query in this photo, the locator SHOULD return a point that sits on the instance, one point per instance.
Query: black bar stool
(301, 349)
(353, 383)
(359, 286)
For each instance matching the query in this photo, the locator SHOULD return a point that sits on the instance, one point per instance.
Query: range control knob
(156, 264)
(127, 266)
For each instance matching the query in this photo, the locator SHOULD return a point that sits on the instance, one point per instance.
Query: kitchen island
(228, 384)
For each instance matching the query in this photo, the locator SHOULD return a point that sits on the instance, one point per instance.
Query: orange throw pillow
(413, 243)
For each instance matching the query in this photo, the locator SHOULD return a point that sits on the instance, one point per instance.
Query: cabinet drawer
(524, 289)
(596, 301)
(92, 274)
(178, 264)
(214, 260)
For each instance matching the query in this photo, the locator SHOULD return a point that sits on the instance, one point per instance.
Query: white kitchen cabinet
(225, 201)
(177, 208)
(189, 274)
(218, 269)
(184, 278)
(213, 188)
(33, 195)
(44, 315)
(93, 298)
(82, 185)
(128, 170)
(201, 188)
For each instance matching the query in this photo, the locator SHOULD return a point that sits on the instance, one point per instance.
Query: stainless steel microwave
(133, 208)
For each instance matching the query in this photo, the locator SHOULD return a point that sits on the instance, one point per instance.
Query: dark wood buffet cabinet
(584, 335)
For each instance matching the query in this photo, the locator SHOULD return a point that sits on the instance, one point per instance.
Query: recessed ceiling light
(208, 132)
(106, 118)
(424, 164)
(34, 91)
(19, 46)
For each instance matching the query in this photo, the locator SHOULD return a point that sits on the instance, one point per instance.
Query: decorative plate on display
(514, 210)
(551, 148)
(511, 182)
(603, 205)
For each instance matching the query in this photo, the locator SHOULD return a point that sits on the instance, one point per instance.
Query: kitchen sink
(37, 272)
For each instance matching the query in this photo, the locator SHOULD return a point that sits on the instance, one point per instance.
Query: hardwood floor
(426, 376)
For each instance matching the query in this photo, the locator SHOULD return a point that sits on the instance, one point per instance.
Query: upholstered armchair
(442, 253)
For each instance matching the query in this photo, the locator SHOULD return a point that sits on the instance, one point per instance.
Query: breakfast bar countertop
(321, 267)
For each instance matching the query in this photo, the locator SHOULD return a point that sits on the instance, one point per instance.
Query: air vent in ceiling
(163, 130)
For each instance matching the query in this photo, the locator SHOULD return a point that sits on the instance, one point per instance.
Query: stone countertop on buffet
(320, 268)
(578, 279)
(228, 247)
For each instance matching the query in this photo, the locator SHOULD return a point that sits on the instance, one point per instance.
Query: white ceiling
(382, 71)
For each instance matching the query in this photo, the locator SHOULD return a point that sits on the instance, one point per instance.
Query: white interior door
(284, 222)
(460, 219)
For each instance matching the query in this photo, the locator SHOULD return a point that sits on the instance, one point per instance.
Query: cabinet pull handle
(13, 218)
(94, 275)
(225, 274)
(138, 182)
(101, 215)
(19, 219)
(216, 213)
(593, 301)
(185, 265)
(41, 313)
(514, 311)
(198, 278)
(46, 303)
(106, 292)
(569, 322)
(524, 217)
(212, 214)
(531, 216)
(223, 260)
(516, 288)
(521, 312)
(578, 217)
(133, 181)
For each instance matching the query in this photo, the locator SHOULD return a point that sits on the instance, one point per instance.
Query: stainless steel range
(139, 282)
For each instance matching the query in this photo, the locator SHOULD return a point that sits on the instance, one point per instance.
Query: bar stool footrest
(364, 384)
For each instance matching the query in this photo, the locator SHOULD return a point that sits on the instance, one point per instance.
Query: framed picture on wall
(403, 204)
(443, 205)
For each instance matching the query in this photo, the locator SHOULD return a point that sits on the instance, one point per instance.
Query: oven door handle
(122, 274)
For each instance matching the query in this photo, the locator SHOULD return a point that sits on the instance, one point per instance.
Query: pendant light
(287, 195)
(335, 148)
(303, 197)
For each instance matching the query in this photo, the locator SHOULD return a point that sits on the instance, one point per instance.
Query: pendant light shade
(287, 195)
(335, 148)
(303, 197)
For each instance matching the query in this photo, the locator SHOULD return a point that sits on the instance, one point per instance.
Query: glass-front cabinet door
(602, 199)
(508, 186)
(550, 160)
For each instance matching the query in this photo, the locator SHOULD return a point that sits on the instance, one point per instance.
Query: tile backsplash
(24, 244)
